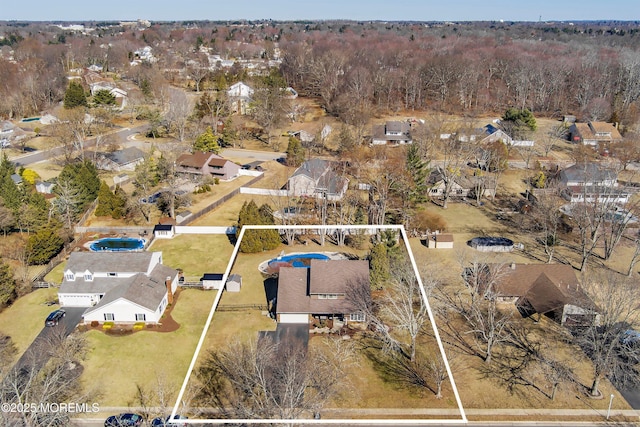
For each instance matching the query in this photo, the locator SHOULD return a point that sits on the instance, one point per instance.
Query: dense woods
(356, 69)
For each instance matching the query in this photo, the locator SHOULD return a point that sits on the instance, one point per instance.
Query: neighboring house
(552, 290)
(588, 182)
(120, 287)
(392, 133)
(120, 160)
(303, 136)
(320, 291)
(318, 178)
(199, 164)
(239, 95)
(588, 174)
(45, 187)
(234, 283)
(594, 133)
(461, 188)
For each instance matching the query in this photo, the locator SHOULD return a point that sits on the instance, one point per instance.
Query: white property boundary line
(205, 329)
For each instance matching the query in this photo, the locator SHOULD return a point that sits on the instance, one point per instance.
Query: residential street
(39, 156)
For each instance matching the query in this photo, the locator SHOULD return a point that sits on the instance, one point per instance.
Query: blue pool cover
(117, 244)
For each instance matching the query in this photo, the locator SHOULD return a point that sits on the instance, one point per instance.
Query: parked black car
(123, 420)
(54, 317)
(162, 422)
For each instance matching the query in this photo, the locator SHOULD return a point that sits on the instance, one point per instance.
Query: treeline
(357, 75)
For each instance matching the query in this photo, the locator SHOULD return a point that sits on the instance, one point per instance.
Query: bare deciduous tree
(265, 379)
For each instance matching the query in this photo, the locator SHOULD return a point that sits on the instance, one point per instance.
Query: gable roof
(588, 172)
(519, 278)
(297, 284)
(125, 262)
(334, 276)
(125, 156)
(197, 159)
(321, 172)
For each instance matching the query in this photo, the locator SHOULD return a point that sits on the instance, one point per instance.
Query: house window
(88, 277)
(109, 317)
(112, 274)
(70, 276)
(356, 317)
(459, 191)
(140, 317)
(434, 190)
(327, 296)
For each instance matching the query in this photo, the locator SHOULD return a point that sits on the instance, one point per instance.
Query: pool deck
(332, 256)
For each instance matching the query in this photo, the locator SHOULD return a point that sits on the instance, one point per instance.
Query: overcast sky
(392, 10)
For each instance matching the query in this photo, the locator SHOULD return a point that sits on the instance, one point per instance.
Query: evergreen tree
(419, 171)
(82, 177)
(75, 96)
(295, 152)
(105, 200)
(256, 240)
(104, 97)
(44, 244)
(517, 123)
(7, 284)
(207, 142)
(380, 268)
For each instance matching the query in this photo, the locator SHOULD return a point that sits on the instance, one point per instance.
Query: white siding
(123, 312)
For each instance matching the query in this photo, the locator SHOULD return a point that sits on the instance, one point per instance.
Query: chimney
(169, 293)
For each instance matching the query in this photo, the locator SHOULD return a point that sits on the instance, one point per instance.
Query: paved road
(252, 154)
(122, 136)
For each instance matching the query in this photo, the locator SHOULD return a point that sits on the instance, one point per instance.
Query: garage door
(294, 318)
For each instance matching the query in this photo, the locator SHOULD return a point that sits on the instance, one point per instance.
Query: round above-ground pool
(117, 244)
(491, 244)
(302, 260)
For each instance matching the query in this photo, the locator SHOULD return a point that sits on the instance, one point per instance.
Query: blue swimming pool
(117, 244)
(294, 260)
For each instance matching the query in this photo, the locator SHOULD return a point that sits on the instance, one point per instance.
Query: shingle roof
(295, 286)
(106, 262)
(128, 155)
(334, 276)
(519, 279)
(588, 172)
(195, 160)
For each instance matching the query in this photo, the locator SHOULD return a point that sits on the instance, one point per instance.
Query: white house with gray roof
(122, 287)
(318, 178)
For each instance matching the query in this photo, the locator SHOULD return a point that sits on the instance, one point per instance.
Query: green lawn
(195, 254)
(24, 319)
(115, 365)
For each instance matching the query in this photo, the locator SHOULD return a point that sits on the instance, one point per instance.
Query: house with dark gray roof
(588, 182)
(318, 178)
(118, 287)
(320, 291)
(120, 160)
(392, 133)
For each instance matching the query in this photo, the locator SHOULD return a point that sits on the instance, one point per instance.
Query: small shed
(164, 231)
(181, 217)
(440, 241)
(212, 280)
(234, 283)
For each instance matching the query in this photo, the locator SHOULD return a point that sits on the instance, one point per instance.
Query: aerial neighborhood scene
(380, 213)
